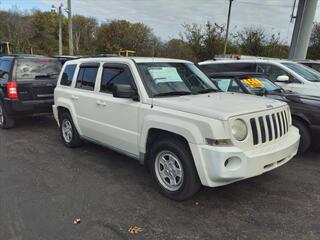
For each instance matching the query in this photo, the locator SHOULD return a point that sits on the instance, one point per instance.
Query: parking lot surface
(45, 186)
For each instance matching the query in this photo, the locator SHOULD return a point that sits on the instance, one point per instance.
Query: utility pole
(70, 28)
(227, 31)
(60, 29)
(302, 29)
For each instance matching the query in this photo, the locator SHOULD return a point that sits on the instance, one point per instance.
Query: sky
(166, 17)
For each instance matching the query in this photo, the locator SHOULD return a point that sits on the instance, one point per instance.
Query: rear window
(37, 68)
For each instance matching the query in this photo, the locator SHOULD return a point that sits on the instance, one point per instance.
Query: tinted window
(37, 68)
(87, 78)
(229, 67)
(273, 72)
(67, 75)
(5, 67)
(115, 75)
(305, 72)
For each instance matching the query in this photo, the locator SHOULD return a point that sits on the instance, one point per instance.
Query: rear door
(36, 77)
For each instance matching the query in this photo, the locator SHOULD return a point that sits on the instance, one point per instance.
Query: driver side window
(273, 72)
(115, 74)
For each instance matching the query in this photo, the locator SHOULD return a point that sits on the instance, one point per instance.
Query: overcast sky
(166, 17)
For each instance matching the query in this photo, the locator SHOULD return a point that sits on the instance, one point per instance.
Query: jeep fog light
(239, 129)
(233, 163)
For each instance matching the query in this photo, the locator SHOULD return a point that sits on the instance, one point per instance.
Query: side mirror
(125, 91)
(282, 78)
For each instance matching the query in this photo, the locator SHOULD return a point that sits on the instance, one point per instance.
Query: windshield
(305, 72)
(256, 84)
(164, 78)
(37, 68)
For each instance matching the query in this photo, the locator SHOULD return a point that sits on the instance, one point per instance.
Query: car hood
(218, 105)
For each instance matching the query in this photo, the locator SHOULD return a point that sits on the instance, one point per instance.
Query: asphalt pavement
(45, 187)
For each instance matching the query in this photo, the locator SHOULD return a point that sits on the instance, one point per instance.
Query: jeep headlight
(239, 129)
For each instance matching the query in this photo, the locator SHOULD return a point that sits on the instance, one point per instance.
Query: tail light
(12, 90)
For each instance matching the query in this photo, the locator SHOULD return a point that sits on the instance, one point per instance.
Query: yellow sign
(253, 83)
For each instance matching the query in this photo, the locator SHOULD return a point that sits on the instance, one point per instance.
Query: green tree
(251, 41)
(176, 48)
(121, 34)
(314, 46)
(84, 34)
(45, 39)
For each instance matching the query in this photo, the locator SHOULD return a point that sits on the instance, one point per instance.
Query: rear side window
(67, 75)
(87, 78)
(5, 68)
(114, 74)
(38, 68)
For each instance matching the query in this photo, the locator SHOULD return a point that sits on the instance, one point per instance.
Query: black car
(305, 110)
(27, 84)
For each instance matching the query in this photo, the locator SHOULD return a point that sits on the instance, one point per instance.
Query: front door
(117, 118)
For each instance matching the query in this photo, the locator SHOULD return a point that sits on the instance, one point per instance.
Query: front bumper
(219, 166)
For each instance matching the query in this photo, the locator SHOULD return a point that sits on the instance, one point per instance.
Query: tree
(84, 31)
(314, 46)
(45, 38)
(176, 48)
(275, 48)
(121, 34)
(251, 41)
(16, 28)
(205, 41)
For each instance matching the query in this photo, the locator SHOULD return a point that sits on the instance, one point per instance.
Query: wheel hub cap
(67, 130)
(169, 170)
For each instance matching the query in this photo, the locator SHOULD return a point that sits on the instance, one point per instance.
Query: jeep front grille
(269, 127)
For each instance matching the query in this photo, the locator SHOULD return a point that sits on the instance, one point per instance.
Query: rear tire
(173, 171)
(305, 140)
(6, 122)
(68, 132)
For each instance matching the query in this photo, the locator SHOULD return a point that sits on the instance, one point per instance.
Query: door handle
(74, 97)
(101, 103)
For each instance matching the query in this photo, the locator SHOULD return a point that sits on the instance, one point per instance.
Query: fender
(186, 129)
(301, 116)
(66, 103)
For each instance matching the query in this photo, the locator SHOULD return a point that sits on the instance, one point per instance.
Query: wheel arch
(63, 107)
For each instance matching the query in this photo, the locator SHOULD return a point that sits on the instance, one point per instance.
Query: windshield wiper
(173, 93)
(208, 90)
(46, 75)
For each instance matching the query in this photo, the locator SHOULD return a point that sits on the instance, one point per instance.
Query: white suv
(169, 115)
(289, 75)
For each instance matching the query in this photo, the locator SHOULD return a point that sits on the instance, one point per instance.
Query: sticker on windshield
(253, 83)
(164, 74)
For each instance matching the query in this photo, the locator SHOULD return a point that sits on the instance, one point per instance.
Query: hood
(218, 105)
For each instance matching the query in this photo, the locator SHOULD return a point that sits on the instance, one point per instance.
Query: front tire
(6, 121)
(68, 132)
(172, 167)
(305, 140)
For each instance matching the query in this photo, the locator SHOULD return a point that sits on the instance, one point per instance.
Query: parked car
(64, 58)
(27, 83)
(314, 64)
(289, 75)
(171, 117)
(305, 110)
